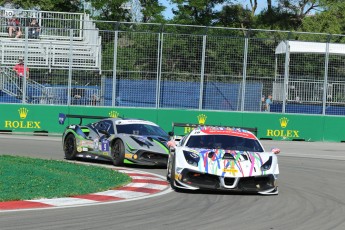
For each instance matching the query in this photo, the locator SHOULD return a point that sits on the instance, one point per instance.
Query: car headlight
(191, 158)
(267, 165)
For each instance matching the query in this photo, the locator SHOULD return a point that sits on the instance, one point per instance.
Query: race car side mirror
(275, 150)
(105, 132)
(171, 133)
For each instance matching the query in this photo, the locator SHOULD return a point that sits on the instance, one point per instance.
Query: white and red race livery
(222, 158)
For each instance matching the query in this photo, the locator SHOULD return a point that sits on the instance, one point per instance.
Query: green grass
(23, 178)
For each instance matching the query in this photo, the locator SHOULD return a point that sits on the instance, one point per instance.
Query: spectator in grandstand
(77, 96)
(19, 68)
(94, 99)
(34, 29)
(14, 28)
(268, 103)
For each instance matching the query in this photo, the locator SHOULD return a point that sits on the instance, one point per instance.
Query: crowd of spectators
(15, 28)
(15, 31)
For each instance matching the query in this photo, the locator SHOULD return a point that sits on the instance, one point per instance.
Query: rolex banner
(18, 118)
(28, 118)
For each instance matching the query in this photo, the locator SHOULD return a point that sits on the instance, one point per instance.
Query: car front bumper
(148, 158)
(189, 179)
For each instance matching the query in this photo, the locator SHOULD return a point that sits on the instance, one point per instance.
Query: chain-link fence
(98, 63)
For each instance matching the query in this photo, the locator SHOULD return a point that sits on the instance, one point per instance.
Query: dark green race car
(119, 140)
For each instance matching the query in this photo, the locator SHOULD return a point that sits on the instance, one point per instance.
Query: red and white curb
(143, 185)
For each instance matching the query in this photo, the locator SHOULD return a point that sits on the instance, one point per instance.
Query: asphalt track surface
(311, 196)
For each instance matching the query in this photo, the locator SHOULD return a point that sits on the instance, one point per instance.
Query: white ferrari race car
(222, 158)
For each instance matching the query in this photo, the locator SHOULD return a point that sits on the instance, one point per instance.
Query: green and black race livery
(119, 140)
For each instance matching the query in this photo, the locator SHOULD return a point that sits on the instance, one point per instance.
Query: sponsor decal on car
(128, 155)
(105, 146)
(231, 170)
(84, 143)
(95, 144)
(228, 131)
(133, 121)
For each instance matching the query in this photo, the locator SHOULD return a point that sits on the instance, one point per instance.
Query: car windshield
(142, 129)
(224, 142)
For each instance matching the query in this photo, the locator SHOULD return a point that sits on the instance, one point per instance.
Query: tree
(235, 16)
(298, 8)
(330, 20)
(152, 11)
(113, 10)
(254, 6)
(287, 14)
(196, 12)
(47, 5)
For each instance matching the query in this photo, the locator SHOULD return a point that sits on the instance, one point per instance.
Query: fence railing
(53, 24)
(45, 53)
(185, 67)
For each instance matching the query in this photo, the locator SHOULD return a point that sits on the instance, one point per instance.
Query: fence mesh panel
(170, 66)
(180, 71)
(224, 73)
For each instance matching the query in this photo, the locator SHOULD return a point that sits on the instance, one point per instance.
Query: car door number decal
(105, 145)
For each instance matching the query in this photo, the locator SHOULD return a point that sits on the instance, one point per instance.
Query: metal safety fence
(100, 63)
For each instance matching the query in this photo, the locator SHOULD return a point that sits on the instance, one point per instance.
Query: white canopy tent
(309, 47)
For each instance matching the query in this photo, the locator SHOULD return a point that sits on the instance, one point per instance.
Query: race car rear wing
(188, 125)
(62, 117)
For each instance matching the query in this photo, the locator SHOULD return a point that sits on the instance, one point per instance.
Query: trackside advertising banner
(272, 126)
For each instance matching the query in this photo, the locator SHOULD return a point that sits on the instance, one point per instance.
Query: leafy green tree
(116, 10)
(113, 10)
(152, 11)
(235, 16)
(196, 12)
(298, 9)
(47, 5)
(330, 20)
(254, 6)
(276, 19)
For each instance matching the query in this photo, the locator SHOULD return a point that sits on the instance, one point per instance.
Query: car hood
(149, 143)
(231, 163)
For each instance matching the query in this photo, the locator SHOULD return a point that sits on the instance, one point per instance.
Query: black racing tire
(172, 175)
(169, 169)
(70, 147)
(118, 152)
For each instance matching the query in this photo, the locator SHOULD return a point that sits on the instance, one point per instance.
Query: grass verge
(23, 178)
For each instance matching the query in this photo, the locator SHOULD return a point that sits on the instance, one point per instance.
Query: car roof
(126, 121)
(219, 130)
